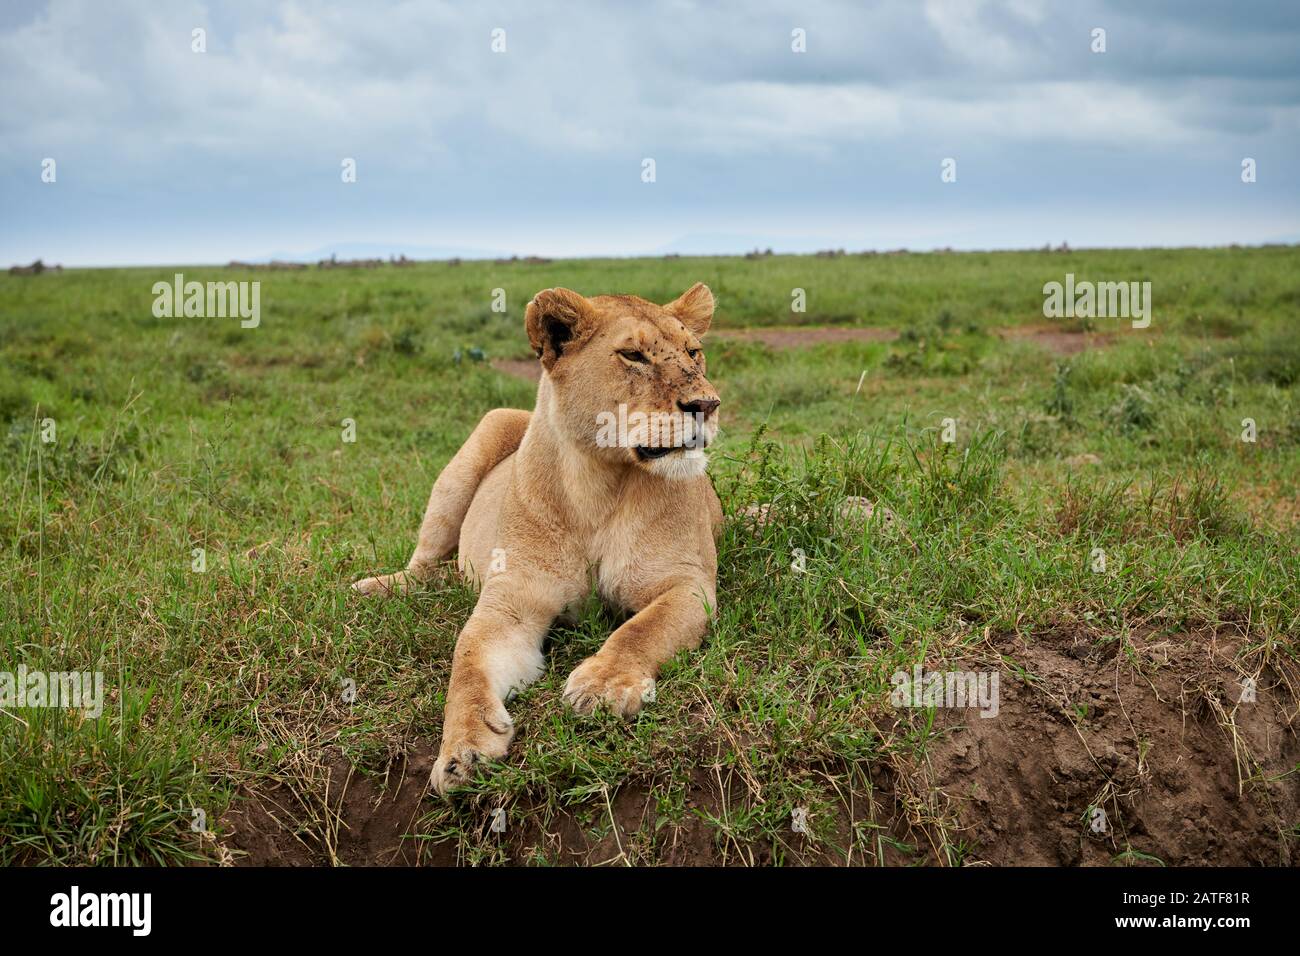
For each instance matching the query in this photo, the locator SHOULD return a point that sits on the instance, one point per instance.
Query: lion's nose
(700, 406)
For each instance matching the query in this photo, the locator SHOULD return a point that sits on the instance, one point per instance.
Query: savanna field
(1099, 534)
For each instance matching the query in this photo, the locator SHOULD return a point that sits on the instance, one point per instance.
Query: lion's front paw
(601, 679)
(384, 586)
(481, 735)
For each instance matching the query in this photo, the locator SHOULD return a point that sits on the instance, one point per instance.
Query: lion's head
(624, 378)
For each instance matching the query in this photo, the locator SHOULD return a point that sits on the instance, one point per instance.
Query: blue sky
(167, 156)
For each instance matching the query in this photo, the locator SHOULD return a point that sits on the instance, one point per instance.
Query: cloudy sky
(165, 155)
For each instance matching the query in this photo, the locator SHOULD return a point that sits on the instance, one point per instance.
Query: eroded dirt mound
(359, 821)
(348, 819)
(1155, 734)
(1158, 733)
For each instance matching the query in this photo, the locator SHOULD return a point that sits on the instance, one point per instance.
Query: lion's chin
(679, 465)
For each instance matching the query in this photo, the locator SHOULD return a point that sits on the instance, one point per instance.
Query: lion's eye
(633, 356)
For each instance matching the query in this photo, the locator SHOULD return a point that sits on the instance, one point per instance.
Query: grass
(180, 435)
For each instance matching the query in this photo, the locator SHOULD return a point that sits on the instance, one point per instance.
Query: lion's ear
(553, 319)
(694, 308)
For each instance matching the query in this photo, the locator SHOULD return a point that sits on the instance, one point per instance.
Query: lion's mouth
(646, 453)
(649, 453)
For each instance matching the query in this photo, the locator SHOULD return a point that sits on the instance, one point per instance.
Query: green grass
(180, 434)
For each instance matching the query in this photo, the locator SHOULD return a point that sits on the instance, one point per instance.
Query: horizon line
(305, 262)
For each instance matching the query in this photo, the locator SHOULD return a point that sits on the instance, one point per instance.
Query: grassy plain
(225, 688)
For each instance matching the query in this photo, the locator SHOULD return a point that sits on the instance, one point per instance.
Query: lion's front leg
(499, 650)
(621, 675)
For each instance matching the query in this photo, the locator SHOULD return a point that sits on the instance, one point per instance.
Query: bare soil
(1155, 734)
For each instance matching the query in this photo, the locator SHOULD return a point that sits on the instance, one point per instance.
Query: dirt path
(798, 338)
(1058, 340)
(527, 370)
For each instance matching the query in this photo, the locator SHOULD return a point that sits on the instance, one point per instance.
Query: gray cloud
(164, 152)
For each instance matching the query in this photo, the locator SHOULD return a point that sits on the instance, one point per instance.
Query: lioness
(543, 504)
